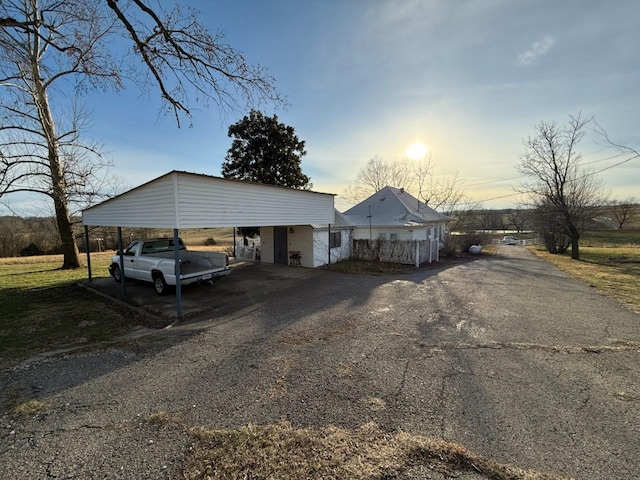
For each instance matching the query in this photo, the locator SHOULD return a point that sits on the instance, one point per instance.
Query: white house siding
(321, 246)
(187, 200)
(266, 244)
(402, 233)
(301, 240)
(430, 232)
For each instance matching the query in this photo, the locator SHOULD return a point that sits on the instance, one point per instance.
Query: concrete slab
(247, 283)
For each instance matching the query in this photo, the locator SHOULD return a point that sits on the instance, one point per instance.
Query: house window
(382, 236)
(393, 236)
(335, 239)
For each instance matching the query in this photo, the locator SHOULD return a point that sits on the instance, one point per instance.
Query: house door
(280, 245)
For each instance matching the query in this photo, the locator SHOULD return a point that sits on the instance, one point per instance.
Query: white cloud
(536, 50)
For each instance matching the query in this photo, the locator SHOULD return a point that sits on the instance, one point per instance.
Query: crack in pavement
(621, 347)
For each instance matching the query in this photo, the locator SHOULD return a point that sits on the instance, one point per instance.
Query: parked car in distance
(509, 240)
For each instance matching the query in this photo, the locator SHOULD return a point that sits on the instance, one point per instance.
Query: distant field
(197, 236)
(611, 238)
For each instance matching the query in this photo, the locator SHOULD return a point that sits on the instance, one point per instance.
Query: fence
(525, 242)
(247, 252)
(411, 252)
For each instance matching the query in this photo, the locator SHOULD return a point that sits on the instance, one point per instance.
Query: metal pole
(176, 253)
(123, 288)
(329, 264)
(86, 242)
(234, 243)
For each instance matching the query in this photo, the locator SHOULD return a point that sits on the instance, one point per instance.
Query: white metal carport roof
(188, 200)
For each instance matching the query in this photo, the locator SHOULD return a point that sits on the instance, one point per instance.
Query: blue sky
(469, 79)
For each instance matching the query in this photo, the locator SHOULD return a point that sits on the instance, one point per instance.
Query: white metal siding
(184, 200)
(151, 205)
(213, 202)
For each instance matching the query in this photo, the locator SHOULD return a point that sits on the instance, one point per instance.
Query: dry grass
(281, 451)
(101, 257)
(614, 271)
(29, 408)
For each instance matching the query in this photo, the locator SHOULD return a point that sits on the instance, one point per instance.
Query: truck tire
(116, 273)
(159, 285)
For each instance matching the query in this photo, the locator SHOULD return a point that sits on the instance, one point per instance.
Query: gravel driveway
(505, 355)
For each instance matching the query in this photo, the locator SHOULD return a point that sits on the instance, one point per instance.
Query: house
(393, 215)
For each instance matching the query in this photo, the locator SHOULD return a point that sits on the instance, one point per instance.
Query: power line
(488, 182)
(492, 181)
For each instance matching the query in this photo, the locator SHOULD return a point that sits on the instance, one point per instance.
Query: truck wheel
(117, 274)
(159, 284)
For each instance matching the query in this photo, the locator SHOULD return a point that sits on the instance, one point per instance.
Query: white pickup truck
(153, 260)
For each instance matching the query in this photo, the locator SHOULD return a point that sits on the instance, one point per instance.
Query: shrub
(460, 243)
(31, 250)
(210, 241)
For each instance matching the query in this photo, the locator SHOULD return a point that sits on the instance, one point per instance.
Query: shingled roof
(393, 207)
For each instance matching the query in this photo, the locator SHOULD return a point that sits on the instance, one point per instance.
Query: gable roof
(341, 221)
(393, 207)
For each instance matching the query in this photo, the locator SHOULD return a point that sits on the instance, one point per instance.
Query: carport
(188, 200)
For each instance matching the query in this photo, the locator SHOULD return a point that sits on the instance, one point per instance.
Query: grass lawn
(44, 309)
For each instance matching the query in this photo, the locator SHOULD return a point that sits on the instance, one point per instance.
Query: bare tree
(518, 219)
(415, 176)
(491, 220)
(558, 185)
(377, 174)
(54, 51)
(624, 210)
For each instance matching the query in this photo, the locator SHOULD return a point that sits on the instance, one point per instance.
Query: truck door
(145, 261)
(130, 266)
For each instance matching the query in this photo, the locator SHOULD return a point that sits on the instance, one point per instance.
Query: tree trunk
(59, 192)
(69, 246)
(575, 252)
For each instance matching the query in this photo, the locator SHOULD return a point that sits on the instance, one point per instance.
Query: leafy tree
(564, 194)
(265, 151)
(52, 52)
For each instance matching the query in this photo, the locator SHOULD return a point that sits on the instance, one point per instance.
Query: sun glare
(416, 150)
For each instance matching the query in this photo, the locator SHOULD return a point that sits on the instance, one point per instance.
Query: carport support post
(329, 244)
(86, 243)
(123, 288)
(235, 245)
(176, 252)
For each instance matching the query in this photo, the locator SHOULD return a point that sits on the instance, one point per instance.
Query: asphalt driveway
(505, 355)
